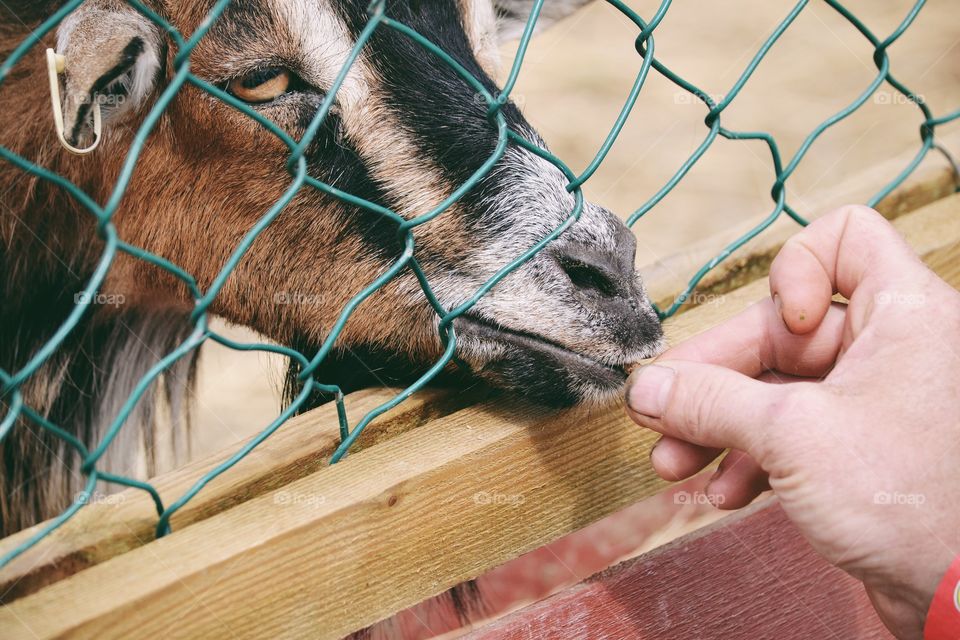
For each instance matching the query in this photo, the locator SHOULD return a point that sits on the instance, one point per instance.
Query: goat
(405, 132)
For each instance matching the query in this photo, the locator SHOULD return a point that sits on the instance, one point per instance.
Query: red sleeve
(943, 618)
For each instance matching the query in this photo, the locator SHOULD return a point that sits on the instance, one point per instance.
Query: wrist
(943, 614)
(903, 593)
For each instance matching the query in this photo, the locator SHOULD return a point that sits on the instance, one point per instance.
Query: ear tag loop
(56, 65)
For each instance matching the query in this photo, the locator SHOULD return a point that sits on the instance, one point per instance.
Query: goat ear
(512, 15)
(113, 56)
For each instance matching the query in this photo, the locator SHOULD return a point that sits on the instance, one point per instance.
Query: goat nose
(608, 275)
(589, 277)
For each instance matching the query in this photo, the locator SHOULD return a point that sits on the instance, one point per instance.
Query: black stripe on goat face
(427, 118)
(445, 117)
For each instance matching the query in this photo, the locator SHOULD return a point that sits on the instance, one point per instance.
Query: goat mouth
(538, 367)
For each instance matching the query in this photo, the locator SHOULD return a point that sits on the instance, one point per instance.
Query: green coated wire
(12, 382)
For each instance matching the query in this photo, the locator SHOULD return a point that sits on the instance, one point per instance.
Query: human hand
(850, 413)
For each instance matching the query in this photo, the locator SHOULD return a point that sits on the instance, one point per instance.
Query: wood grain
(750, 575)
(381, 530)
(401, 521)
(106, 529)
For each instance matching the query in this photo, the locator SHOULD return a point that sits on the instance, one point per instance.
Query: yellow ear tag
(56, 65)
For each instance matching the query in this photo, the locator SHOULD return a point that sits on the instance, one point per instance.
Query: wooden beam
(401, 521)
(750, 575)
(106, 529)
(381, 530)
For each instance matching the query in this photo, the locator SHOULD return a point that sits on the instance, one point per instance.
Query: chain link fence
(13, 404)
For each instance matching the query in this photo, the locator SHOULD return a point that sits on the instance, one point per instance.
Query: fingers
(704, 404)
(752, 343)
(851, 249)
(675, 460)
(738, 480)
(757, 340)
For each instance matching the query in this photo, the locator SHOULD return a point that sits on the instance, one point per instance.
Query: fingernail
(655, 445)
(648, 390)
(778, 303)
(653, 449)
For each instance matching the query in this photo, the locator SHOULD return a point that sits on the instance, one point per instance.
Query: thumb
(704, 404)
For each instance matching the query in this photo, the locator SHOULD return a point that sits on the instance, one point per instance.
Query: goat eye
(263, 85)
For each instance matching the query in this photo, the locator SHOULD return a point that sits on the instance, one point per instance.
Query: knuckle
(790, 413)
(798, 248)
(697, 405)
(789, 405)
(861, 214)
(869, 226)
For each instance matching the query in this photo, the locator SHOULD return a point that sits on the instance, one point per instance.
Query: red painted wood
(750, 576)
(562, 563)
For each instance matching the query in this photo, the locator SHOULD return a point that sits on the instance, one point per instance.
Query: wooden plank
(750, 575)
(399, 522)
(381, 530)
(106, 529)
(669, 275)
